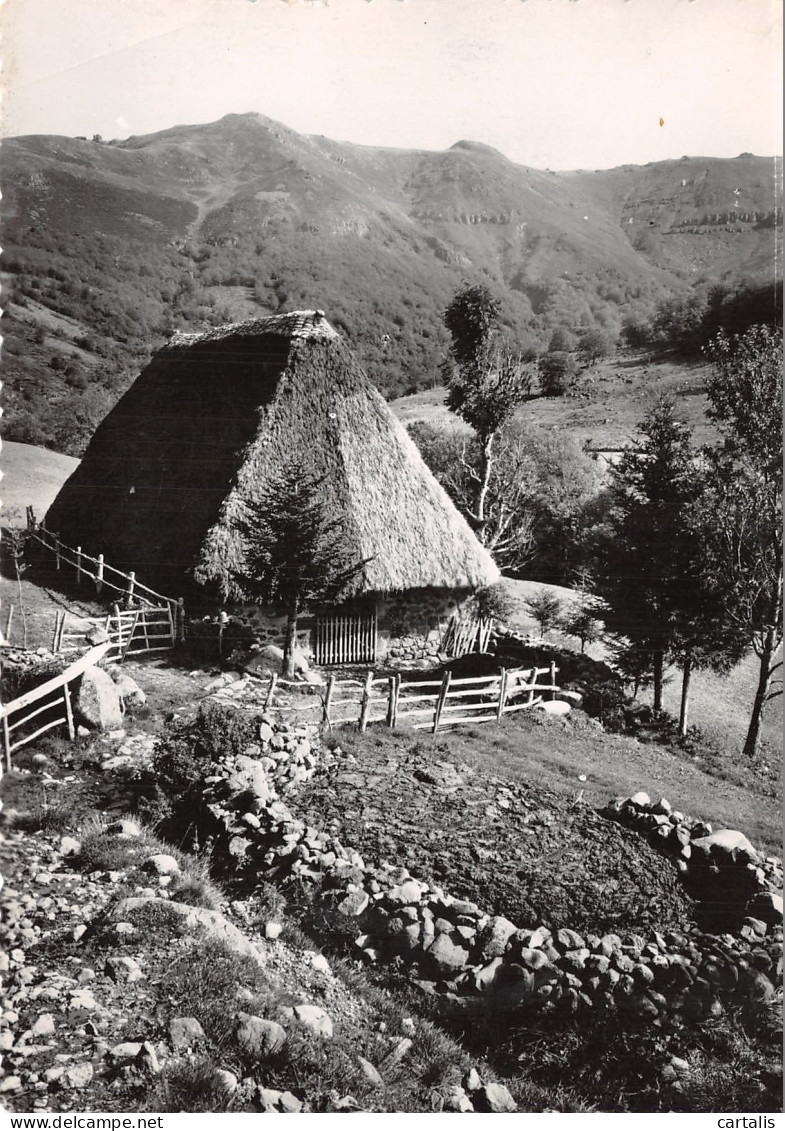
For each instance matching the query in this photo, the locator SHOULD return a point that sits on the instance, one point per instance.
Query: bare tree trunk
(686, 675)
(658, 666)
(766, 656)
(290, 643)
(485, 482)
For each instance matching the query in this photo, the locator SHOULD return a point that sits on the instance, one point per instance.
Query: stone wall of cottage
(410, 625)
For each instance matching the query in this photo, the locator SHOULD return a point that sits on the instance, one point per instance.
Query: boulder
(726, 845)
(258, 1037)
(184, 1032)
(270, 659)
(315, 1019)
(129, 690)
(97, 703)
(556, 707)
(199, 919)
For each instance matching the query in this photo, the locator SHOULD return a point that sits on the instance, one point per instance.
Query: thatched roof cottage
(203, 426)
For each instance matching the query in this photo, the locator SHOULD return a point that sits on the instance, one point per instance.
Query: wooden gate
(130, 631)
(345, 640)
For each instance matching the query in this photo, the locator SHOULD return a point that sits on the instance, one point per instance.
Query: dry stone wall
(472, 958)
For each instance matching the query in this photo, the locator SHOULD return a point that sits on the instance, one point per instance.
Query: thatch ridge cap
(292, 324)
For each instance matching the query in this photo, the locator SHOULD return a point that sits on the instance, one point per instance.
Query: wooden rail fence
(103, 575)
(425, 704)
(52, 699)
(131, 631)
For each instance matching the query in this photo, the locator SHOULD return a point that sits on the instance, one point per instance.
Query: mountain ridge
(111, 246)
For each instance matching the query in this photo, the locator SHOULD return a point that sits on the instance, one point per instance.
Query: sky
(559, 84)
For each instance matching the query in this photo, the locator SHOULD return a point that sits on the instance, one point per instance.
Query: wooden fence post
(268, 701)
(7, 744)
(328, 699)
(99, 574)
(78, 565)
(57, 550)
(445, 687)
(69, 714)
(180, 620)
(553, 679)
(129, 593)
(8, 620)
(56, 635)
(502, 695)
(365, 705)
(532, 686)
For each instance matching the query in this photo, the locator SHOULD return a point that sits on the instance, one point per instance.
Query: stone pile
(722, 867)
(456, 948)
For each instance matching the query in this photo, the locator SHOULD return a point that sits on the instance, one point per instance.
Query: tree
(295, 554)
(486, 381)
(546, 608)
(540, 487)
(594, 344)
(743, 539)
(646, 552)
(558, 371)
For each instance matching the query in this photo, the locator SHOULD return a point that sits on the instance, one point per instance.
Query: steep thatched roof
(209, 420)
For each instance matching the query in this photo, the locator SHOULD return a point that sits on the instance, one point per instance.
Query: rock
(555, 707)
(487, 975)
(78, 1075)
(268, 1098)
(224, 1081)
(641, 799)
(319, 962)
(70, 846)
(97, 635)
(472, 1081)
(455, 1099)
(493, 1097)
(569, 940)
(354, 903)
(766, 906)
(410, 891)
(184, 1032)
(314, 1018)
(272, 930)
(161, 864)
(97, 701)
(124, 828)
(126, 1050)
(128, 689)
(123, 969)
(258, 1037)
(370, 1073)
(726, 844)
(81, 1003)
(10, 1084)
(211, 923)
(447, 954)
(44, 1026)
(496, 936)
(288, 1102)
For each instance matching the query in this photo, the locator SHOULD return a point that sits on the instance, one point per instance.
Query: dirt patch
(514, 849)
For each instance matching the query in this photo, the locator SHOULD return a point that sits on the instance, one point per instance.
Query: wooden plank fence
(52, 700)
(424, 704)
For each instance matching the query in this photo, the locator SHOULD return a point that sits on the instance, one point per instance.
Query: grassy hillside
(109, 247)
(31, 477)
